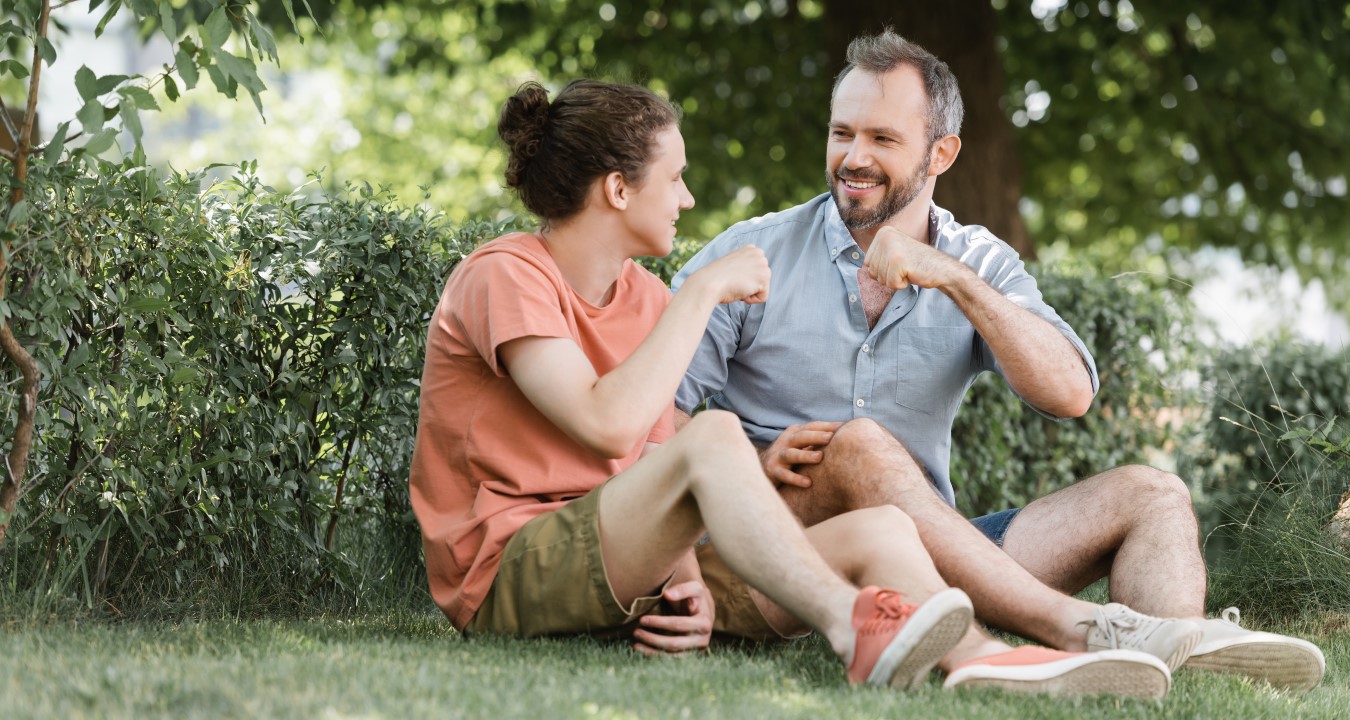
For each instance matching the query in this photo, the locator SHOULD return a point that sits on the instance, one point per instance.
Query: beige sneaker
(1284, 662)
(1117, 627)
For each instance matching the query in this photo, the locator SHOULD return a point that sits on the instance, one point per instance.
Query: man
(885, 308)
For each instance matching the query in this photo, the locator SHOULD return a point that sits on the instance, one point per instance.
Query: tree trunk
(985, 184)
(16, 464)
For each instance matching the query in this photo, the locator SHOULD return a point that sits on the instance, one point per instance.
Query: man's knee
(864, 438)
(1157, 485)
(1153, 492)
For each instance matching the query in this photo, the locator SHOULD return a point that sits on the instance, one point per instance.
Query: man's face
(877, 159)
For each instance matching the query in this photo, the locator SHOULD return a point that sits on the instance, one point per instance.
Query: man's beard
(896, 198)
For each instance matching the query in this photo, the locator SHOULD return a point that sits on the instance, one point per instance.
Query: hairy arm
(1041, 365)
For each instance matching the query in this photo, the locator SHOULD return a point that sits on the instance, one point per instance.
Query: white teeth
(860, 185)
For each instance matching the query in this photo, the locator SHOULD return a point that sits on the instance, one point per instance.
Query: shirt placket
(847, 261)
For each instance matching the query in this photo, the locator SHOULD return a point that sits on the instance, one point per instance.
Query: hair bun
(522, 125)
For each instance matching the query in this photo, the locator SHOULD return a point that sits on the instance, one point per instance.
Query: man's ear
(943, 154)
(615, 190)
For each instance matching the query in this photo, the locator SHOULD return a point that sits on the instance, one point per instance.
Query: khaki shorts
(552, 581)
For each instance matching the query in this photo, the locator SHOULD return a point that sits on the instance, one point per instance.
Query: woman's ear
(615, 190)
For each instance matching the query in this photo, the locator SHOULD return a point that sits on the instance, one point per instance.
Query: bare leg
(709, 473)
(864, 466)
(1134, 523)
(880, 546)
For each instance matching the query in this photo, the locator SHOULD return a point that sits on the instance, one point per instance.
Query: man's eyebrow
(880, 130)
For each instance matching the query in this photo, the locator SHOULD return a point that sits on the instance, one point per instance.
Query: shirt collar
(838, 238)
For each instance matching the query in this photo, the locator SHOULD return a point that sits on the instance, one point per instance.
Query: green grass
(411, 664)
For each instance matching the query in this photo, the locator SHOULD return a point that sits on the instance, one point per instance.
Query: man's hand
(687, 628)
(896, 260)
(797, 445)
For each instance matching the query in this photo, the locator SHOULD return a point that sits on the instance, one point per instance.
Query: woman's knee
(712, 431)
(884, 525)
(711, 438)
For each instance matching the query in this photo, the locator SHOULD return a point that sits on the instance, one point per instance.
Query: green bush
(1259, 395)
(1004, 454)
(1275, 555)
(1270, 462)
(230, 386)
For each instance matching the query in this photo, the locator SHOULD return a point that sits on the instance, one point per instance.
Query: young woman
(553, 493)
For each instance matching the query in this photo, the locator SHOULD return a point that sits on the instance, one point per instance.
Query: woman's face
(655, 204)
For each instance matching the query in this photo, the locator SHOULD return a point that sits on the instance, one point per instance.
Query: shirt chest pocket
(933, 365)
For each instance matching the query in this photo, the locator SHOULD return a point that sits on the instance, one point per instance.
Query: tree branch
(9, 124)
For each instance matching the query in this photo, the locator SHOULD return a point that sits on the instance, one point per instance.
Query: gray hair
(880, 54)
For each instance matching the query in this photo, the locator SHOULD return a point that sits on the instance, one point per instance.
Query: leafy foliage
(206, 38)
(1189, 123)
(1272, 422)
(232, 377)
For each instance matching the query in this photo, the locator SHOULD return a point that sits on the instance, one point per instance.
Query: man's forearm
(1040, 363)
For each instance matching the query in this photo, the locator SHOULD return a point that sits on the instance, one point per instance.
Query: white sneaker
(1116, 627)
(1030, 669)
(1286, 663)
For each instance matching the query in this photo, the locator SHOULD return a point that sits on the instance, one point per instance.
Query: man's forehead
(898, 91)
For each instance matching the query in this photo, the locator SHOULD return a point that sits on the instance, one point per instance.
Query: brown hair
(880, 54)
(592, 128)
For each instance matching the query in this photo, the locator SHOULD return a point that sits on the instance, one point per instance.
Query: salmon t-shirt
(486, 461)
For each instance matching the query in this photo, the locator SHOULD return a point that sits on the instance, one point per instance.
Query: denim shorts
(995, 526)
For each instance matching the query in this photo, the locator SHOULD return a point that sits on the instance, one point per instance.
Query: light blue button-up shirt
(808, 354)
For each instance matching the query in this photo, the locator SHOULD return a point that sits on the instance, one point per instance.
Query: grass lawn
(408, 664)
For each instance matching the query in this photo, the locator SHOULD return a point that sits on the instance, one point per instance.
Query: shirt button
(859, 402)
(855, 255)
(866, 347)
(853, 298)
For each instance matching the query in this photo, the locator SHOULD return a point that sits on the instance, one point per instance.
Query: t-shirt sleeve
(503, 297)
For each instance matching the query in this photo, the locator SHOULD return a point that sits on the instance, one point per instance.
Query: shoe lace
(1121, 625)
(889, 608)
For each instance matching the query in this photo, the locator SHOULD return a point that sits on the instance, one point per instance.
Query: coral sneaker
(1031, 669)
(898, 643)
(1284, 662)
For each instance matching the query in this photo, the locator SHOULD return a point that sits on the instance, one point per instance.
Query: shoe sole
(929, 634)
(1285, 665)
(1091, 674)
